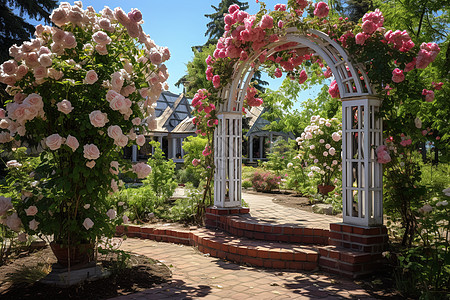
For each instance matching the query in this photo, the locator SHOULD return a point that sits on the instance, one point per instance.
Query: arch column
(362, 175)
(228, 160)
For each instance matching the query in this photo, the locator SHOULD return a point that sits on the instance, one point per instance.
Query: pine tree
(14, 29)
(216, 27)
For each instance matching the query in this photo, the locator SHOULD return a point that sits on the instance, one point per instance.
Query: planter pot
(79, 254)
(325, 189)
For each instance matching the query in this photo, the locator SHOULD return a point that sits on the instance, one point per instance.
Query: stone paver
(198, 276)
(263, 209)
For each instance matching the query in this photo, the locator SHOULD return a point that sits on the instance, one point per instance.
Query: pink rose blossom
(121, 141)
(9, 67)
(136, 121)
(369, 27)
(361, 38)
(206, 151)
(33, 225)
(5, 205)
(31, 210)
(397, 75)
(216, 81)
(135, 15)
(114, 132)
(98, 119)
(59, 16)
(321, 10)
(111, 213)
(22, 237)
(266, 22)
(140, 140)
(117, 81)
(72, 142)
(142, 170)
(65, 106)
(114, 167)
(333, 90)
(88, 223)
(91, 77)
(91, 151)
(114, 186)
(13, 222)
(336, 137)
(429, 95)
(54, 141)
(302, 77)
(195, 162)
(278, 73)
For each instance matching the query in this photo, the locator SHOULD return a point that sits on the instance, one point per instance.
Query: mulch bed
(142, 273)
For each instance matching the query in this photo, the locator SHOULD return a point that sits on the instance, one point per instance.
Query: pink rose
(321, 10)
(5, 205)
(40, 72)
(31, 211)
(98, 119)
(156, 57)
(65, 106)
(216, 81)
(90, 164)
(369, 27)
(59, 16)
(140, 140)
(33, 225)
(13, 222)
(114, 187)
(336, 137)
(136, 121)
(332, 151)
(111, 213)
(266, 22)
(117, 81)
(361, 38)
(120, 15)
(114, 167)
(114, 132)
(69, 40)
(54, 141)
(101, 49)
(91, 77)
(302, 77)
(101, 37)
(121, 141)
(429, 95)
(45, 60)
(142, 170)
(9, 67)
(195, 162)
(135, 15)
(22, 237)
(2, 113)
(72, 142)
(88, 223)
(91, 151)
(34, 100)
(333, 90)
(397, 75)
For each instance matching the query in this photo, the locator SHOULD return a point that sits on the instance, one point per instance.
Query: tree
(14, 29)
(216, 27)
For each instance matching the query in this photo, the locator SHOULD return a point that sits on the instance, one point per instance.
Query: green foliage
(184, 210)
(193, 147)
(281, 152)
(195, 78)
(138, 202)
(426, 266)
(163, 171)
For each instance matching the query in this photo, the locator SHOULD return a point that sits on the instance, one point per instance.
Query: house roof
(171, 111)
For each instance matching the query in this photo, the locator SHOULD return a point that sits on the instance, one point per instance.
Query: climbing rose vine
(79, 92)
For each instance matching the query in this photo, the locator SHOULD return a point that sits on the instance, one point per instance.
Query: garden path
(263, 209)
(199, 276)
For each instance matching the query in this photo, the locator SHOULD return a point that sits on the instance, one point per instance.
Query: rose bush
(79, 91)
(320, 145)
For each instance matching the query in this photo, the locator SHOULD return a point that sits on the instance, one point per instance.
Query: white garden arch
(361, 130)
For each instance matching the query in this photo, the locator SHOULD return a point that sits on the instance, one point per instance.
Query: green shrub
(161, 179)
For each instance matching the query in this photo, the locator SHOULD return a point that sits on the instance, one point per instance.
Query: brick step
(237, 249)
(240, 224)
(349, 263)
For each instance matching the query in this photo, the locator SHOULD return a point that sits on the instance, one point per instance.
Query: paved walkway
(263, 208)
(198, 276)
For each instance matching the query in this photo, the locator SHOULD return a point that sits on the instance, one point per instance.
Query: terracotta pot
(79, 254)
(325, 189)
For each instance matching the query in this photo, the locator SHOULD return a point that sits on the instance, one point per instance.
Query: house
(174, 124)
(260, 140)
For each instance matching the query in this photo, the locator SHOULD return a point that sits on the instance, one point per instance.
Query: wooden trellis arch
(357, 97)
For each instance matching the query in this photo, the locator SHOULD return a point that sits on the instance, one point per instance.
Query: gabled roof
(257, 123)
(171, 109)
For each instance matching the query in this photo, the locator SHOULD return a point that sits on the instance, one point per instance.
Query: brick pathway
(198, 276)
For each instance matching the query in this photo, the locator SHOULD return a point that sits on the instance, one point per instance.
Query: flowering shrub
(321, 146)
(79, 92)
(265, 182)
